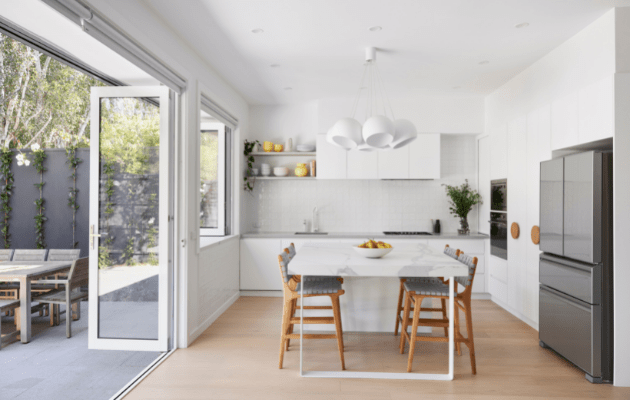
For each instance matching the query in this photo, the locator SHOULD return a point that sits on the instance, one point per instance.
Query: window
(213, 145)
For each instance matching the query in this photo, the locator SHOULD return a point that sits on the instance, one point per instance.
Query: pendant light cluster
(378, 132)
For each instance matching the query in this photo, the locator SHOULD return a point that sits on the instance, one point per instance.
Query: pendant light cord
(384, 93)
(358, 97)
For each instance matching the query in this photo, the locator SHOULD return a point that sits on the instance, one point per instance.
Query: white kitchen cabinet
(331, 160)
(596, 111)
(498, 152)
(362, 164)
(393, 164)
(424, 157)
(259, 264)
(517, 213)
(564, 121)
(483, 183)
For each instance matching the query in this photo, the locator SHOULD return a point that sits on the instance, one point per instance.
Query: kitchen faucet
(314, 224)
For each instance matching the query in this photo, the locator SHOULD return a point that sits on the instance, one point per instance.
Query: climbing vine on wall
(104, 257)
(74, 161)
(38, 162)
(6, 158)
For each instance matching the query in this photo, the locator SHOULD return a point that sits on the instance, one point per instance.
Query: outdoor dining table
(406, 260)
(24, 272)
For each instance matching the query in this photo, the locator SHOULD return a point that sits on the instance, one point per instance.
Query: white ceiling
(425, 47)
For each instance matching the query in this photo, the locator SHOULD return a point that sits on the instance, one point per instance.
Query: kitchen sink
(311, 233)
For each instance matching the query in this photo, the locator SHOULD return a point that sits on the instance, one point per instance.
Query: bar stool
(449, 251)
(417, 291)
(316, 287)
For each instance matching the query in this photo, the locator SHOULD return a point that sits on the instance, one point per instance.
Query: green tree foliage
(41, 100)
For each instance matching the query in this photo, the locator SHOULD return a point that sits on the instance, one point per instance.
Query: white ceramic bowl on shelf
(305, 147)
(371, 253)
(281, 171)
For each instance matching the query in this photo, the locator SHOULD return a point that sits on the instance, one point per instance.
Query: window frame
(221, 128)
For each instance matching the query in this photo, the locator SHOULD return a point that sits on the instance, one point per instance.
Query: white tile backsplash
(365, 205)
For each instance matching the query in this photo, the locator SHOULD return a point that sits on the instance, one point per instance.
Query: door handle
(92, 236)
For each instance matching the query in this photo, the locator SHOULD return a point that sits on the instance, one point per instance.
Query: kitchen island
(260, 276)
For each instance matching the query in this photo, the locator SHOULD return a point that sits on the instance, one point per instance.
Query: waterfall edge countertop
(363, 236)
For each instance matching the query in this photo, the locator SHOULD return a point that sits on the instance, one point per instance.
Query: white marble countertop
(363, 235)
(339, 259)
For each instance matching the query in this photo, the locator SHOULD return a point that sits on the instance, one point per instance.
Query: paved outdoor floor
(54, 367)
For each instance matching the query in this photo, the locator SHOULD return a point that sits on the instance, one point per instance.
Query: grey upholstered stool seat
(319, 286)
(428, 288)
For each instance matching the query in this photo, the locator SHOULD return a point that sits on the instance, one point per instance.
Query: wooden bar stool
(317, 287)
(449, 251)
(417, 291)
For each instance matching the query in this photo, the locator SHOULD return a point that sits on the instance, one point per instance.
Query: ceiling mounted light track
(379, 131)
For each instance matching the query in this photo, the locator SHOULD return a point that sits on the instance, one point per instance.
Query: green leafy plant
(462, 200)
(73, 161)
(6, 158)
(249, 179)
(38, 162)
(104, 258)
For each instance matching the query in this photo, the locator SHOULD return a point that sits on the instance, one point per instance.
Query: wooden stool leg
(443, 301)
(400, 306)
(337, 315)
(414, 330)
(291, 315)
(458, 346)
(470, 340)
(285, 327)
(405, 322)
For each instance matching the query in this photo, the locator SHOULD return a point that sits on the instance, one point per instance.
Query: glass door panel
(129, 196)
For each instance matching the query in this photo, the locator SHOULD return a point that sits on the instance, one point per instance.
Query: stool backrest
(291, 250)
(283, 260)
(6, 254)
(451, 252)
(471, 263)
(30, 255)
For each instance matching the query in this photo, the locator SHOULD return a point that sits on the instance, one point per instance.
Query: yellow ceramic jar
(278, 148)
(301, 170)
(267, 146)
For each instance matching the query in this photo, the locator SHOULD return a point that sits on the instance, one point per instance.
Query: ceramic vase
(288, 146)
(301, 170)
(278, 148)
(268, 147)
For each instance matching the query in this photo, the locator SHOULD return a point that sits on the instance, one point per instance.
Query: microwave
(498, 195)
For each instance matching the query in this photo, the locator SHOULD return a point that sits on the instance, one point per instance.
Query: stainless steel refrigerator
(576, 272)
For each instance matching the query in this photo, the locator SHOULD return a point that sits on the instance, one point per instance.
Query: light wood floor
(237, 358)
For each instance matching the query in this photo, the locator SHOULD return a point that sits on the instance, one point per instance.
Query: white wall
(365, 205)
(148, 30)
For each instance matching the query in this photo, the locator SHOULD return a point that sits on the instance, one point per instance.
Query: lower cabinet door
(569, 326)
(259, 264)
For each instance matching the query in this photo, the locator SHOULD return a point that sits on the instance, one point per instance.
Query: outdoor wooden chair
(320, 286)
(449, 251)
(7, 306)
(63, 254)
(418, 291)
(8, 290)
(77, 277)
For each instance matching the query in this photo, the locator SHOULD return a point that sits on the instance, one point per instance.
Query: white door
(130, 229)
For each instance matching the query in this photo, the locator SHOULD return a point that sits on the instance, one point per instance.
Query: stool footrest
(313, 320)
(312, 336)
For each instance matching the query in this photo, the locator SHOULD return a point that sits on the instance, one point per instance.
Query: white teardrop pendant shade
(346, 133)
(405, 133)
(378, 131)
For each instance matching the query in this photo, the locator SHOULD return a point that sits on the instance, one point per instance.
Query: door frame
(165, 214)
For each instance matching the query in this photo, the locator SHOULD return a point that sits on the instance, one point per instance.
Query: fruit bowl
(371, 253)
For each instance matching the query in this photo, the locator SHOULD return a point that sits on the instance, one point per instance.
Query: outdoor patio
(53, 367)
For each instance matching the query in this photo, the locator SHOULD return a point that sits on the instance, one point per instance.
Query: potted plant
(462, 200)
(247, 151)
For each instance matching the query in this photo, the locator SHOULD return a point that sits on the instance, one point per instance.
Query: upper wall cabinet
(596, 113)
(424, 157)
(419, 160)
(331, 160)
(583, 116)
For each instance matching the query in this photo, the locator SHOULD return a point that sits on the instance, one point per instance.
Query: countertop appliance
(498, 218)
(407, 233)
(576, 236)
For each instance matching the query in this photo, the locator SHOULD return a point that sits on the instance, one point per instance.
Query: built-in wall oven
(498, 218)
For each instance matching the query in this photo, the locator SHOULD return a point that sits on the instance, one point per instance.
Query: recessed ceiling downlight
(274, 65)
(522, 25)
(288, 88)
(484, 62)
(375, 28)
(257, 30)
